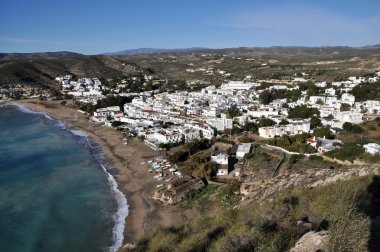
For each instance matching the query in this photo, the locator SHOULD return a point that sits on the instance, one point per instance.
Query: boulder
(312, 242)
(303, 227)
(319, 223)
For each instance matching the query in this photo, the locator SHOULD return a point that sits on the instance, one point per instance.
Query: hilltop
(38, 55)
(41, 69)
(155, 51)
(279, 63)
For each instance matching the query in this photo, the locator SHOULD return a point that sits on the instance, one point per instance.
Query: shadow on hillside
(373, 211)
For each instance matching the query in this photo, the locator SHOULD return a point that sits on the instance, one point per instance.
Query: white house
(205, 130)
(348, 98)
(330, 91)
(348, 116)
(220, 124)
(372, 148)
(243, 149)
(321, 84)
(190, 134)
(237, 85)
(222, 162)
(166, 137)
(290, 129)
(316, 98)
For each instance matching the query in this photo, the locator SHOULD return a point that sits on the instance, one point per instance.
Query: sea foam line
(123, 209)
(22, 108)
(122, 205)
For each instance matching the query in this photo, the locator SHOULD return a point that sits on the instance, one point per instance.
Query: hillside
(41, 55)
(154, 51)
(279, 63)
(42, 71)
(342, 208)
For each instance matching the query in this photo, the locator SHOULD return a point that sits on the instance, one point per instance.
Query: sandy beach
(138, 185)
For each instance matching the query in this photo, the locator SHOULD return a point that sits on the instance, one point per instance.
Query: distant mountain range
(155, 50)
(37, 55)
(42, 67)
(54, 55)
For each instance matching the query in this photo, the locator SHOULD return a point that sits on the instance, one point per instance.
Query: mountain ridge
(148, 50)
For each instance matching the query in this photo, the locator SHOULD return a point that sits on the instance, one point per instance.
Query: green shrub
(315, 158)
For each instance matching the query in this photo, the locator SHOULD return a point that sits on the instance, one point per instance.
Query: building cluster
(88, 90)
(179, 117)
(171, 118)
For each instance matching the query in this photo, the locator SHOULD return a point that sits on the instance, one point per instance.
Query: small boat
(157, 176)
(160, 185)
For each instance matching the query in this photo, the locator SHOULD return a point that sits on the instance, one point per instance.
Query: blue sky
(94, 26)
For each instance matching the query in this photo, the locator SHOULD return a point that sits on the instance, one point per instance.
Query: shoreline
(134, 181)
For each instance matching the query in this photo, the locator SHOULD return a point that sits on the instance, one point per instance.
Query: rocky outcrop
(312, 242)
(262, 189)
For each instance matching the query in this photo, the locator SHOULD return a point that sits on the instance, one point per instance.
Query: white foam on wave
(22, 108)
(120, 215)
(122, 205)
(79, 133)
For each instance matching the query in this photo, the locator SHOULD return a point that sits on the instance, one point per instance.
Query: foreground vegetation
(344, 208)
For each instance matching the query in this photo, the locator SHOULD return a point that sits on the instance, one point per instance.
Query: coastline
(134, 181)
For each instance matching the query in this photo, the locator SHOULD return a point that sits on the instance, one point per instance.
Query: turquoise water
(54, 193)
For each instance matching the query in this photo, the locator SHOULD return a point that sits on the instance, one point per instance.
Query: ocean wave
(78, 133)
(22, 108)
(123, 208)
(120, 215)
(96, 151)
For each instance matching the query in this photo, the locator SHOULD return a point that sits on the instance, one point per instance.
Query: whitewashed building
(220, 124)
(243, 149)
(280, 130)
(372, 148)
(222, 162)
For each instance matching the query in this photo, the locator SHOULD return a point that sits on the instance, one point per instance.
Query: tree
(264, 122)
(233, 111)
(347, 126)
(250, 126)
(294, 158)
(329, 117)
(196, 145)
(248, 156)
(345, 107)
(320, 102)
(178, 156)
(366, 91)
(352, 128)
(284, 122)
(116, 124)
(323, 132)
(265, 97)
(314, 122)
(302, 112)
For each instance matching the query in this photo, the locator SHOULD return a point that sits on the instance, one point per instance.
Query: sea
(55, 190)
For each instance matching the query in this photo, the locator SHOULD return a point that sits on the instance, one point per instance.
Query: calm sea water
(54, 193)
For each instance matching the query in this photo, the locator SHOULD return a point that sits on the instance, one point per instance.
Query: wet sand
(138, 185)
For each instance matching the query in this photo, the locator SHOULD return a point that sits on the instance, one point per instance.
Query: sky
(99, 26)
